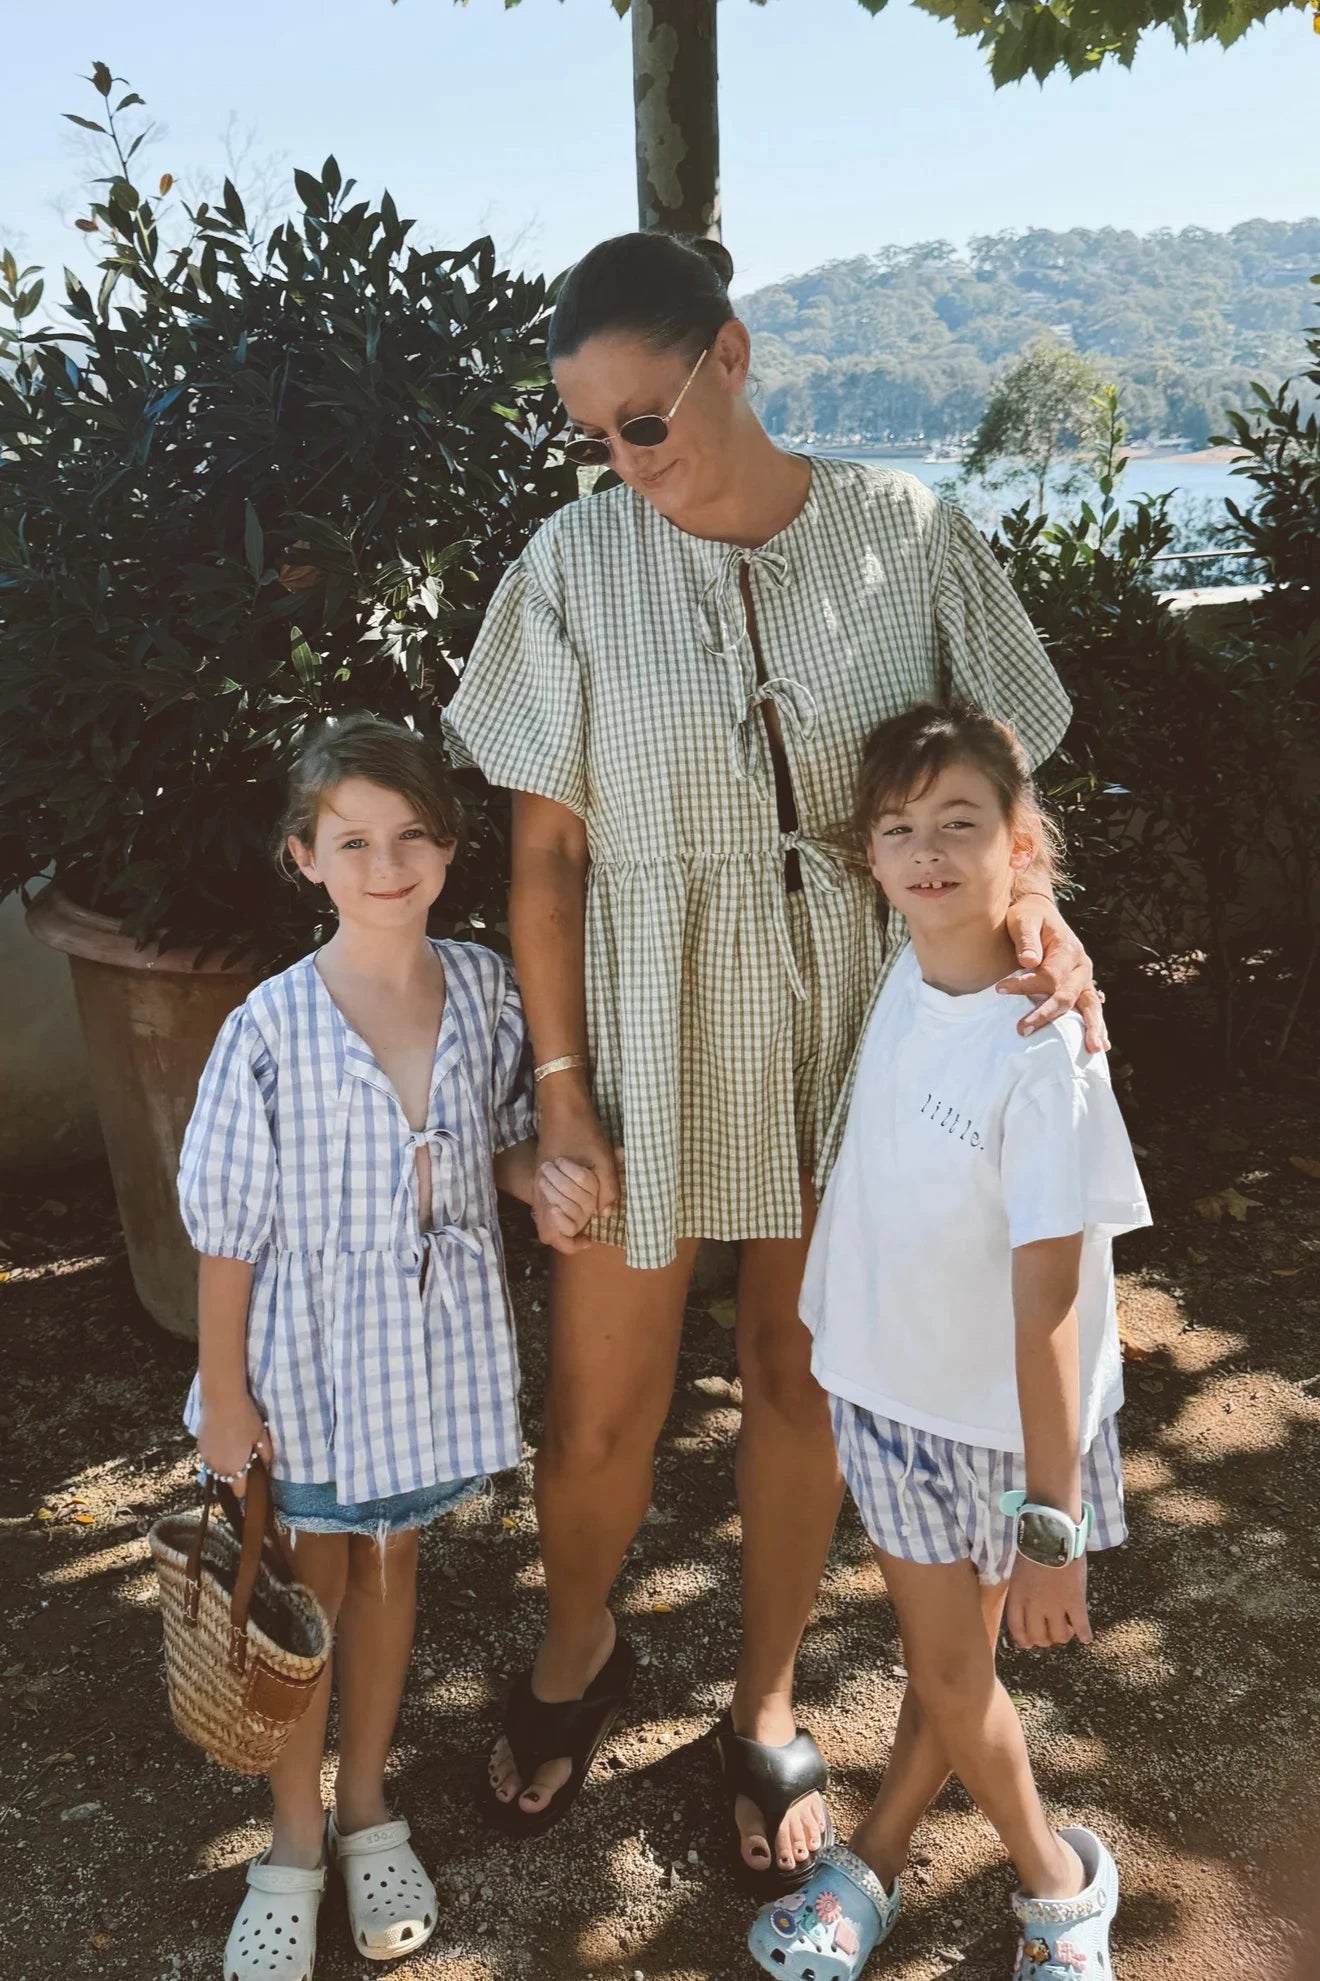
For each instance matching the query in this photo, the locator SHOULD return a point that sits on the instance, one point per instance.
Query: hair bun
(716, 254)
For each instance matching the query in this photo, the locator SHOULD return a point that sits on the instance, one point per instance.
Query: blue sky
(839, 132)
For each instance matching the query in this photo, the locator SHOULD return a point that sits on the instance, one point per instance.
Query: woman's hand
(231, 1430)
(577, 1176)
(1047, 1605)
(1055, 967)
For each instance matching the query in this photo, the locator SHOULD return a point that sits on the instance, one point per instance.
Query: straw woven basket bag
(244, 1643)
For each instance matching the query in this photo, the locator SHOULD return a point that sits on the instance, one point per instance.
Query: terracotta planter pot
(150, 1018)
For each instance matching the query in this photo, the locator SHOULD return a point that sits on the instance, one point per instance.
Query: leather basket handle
(253, 1522)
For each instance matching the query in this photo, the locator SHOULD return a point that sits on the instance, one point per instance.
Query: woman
(675, 680)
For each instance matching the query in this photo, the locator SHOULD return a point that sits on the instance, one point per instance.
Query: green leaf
(312, 194)
(86, 124)
(254, 543)
(125, 102)
(307, 663)
(101, 78)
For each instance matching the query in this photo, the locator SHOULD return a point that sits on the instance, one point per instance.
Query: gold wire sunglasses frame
(645, 430)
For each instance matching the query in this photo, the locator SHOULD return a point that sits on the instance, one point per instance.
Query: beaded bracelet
(231, 1478)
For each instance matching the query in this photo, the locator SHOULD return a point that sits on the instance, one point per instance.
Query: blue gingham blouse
(374, 1375)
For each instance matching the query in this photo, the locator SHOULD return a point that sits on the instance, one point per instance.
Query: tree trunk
(675, 88)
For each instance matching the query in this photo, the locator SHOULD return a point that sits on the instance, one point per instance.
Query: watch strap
(1014, 1504)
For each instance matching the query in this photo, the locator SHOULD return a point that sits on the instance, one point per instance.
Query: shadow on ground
(1189, 1735)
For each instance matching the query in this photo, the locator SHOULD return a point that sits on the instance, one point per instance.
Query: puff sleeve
(517, 713)
(511, 1072)
(228, 1172)
(989, 650)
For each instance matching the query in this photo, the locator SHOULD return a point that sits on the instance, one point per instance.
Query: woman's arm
(1048, 1605)
(231, 1427)
(547, 927)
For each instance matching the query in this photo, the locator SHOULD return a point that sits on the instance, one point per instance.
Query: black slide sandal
(774, 1778)
(540, 1730)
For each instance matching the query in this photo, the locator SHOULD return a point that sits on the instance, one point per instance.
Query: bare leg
(372, 1648)
(321, 1561)
(789, 1493)
(972, 1721)
(916, 1770)
(614, 1335)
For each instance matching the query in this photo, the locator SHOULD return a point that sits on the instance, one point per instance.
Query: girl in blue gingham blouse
(298, 1159)
(338, 1180)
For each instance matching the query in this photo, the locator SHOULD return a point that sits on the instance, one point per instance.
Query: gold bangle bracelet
(569, 1062)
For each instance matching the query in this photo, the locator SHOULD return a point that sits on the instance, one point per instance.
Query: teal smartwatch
(1045, 1534)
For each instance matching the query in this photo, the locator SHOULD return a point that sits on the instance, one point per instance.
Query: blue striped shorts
(930, 1499)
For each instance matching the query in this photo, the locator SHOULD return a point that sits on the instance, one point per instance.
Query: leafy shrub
(1168, 780)
(246, 486)
(1279, 650)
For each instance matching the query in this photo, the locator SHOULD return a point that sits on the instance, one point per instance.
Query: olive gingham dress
(615, 674)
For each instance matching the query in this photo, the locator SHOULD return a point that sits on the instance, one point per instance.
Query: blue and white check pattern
(383, 1358)
(929, 1499)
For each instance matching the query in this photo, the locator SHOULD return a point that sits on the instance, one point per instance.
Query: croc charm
(829, 1929)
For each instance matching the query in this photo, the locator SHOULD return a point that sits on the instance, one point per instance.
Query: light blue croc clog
(828, 1930)
(1067, 1939)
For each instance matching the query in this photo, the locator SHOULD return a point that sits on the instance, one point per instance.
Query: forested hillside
(905, 343)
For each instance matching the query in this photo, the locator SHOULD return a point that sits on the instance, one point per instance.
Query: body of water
(1198, 488)
(1146, 474)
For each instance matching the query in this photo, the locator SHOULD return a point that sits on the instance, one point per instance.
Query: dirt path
(1188, 1735)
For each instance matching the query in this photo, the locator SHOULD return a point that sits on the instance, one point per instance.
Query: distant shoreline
(1203, 456)
(915, 450)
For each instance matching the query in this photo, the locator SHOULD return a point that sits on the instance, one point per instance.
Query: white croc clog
(274, 1936)
(391, 1901)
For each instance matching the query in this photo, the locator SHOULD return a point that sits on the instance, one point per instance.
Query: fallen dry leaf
(1227, 1203)
(661, 1609)
(723, 1312)
(85, 1519)
(1133, 1350)
(1308, 1166)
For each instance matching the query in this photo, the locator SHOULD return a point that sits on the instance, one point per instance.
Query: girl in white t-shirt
(960, 1294)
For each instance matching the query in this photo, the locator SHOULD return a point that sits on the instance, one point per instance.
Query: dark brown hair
(903, 757)
(384, 753)
(673, 293)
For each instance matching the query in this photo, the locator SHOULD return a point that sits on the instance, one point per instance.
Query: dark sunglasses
(647, 430)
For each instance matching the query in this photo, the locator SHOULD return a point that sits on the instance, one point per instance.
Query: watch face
(1045, 1537)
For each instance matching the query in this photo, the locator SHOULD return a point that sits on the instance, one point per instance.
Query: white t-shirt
(963, 1141)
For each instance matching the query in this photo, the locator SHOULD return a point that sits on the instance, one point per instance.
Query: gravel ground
(1187, 1735)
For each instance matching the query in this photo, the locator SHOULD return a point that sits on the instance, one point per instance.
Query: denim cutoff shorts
(303, 1509)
